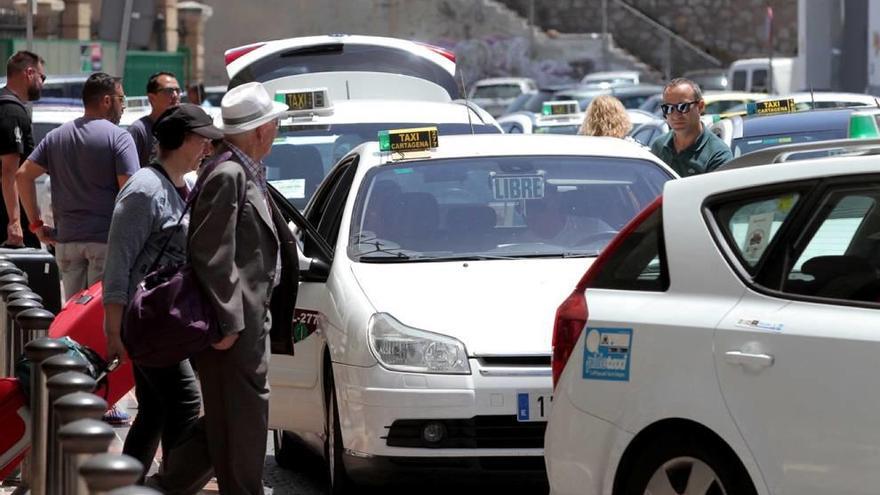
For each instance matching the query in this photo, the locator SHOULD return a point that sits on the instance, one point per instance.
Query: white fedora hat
(247, 107)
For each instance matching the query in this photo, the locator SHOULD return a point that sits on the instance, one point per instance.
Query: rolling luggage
(42, 272)
(82, 319)
(15, 435)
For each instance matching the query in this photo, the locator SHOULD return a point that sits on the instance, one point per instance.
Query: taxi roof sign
(771, 106)
(305, 101)
(563, 107)
(414, 139)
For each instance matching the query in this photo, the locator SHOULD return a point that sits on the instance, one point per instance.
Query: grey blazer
(233, 254)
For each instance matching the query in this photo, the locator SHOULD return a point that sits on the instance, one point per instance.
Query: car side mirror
(312, 269)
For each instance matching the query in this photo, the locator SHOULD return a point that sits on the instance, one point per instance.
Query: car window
(721, 106)
(639, 263)
(739, 80)
(557, 129)
(336, 57)
(303, 154)
(497, 91)
(512, 206)
(759, 80)
(326, 210)
(838, 259)
(750, 225)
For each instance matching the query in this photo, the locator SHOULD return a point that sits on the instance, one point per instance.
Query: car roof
(369, 111)
(811, 120)
(606, 74)
(502, 80)
(49, 114)
(463, 146)
(636, 89)
(732, 95)
(825, 96)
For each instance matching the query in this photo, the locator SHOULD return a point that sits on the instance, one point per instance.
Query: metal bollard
(52, 367)
(34, 323)
(7, 267)
(14, 278)
(79, 439)
(26, 294)
(14, 335)
(60, 385)
(69, 409)
(105, 472)
(134, 490)
(7, 286)
(37, 351)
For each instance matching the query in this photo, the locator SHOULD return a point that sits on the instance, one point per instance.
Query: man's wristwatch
(35, 226)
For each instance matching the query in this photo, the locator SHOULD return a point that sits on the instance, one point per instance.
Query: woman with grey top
(146, 215)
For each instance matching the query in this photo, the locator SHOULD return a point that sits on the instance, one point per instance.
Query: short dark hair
(22, 60)
(97, 86)
(698, 94)
(153, 81)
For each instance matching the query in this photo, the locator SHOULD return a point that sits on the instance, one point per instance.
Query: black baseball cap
(185, 117)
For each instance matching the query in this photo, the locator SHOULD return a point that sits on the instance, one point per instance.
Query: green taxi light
(863, 127)
(384, 141)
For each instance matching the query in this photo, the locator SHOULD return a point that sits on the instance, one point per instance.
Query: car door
(297, 395)
(797, 358)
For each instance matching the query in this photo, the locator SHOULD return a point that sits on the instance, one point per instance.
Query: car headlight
(402, 348)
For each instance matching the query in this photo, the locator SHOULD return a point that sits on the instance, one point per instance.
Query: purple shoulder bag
(169, 319)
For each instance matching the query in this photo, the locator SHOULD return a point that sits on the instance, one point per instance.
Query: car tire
(338, 482)
(285, 449)
(686, 463)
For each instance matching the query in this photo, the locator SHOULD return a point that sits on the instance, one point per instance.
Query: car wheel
(284, 449)
(679, 464)
(338, 482)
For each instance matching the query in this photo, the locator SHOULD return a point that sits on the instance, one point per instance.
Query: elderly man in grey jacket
(237, 251)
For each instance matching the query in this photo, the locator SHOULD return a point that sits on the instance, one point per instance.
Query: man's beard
(33, 93)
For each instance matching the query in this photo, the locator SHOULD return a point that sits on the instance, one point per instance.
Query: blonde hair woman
(606, 117)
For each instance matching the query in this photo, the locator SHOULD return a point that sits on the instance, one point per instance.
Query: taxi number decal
(305, 323)
(607, 354)
(516, 187)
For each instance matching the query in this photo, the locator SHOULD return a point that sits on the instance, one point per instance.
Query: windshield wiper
(463, 257)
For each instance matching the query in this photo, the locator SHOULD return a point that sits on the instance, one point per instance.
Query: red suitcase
(15, 435)
(82, 319)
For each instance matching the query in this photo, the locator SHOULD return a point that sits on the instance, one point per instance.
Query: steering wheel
(605, 235)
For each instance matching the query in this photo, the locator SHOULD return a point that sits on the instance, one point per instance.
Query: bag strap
(190, 200)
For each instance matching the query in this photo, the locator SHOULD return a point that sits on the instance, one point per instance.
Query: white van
(753, 75)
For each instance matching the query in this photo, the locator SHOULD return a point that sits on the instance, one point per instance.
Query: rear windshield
(498, 207)
(557, 129)
(339, 57)
(742, 146)
(303, 154)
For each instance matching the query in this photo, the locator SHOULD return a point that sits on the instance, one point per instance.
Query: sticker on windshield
(757, 236)
(290, 188)
(606, 354)
(516, 187)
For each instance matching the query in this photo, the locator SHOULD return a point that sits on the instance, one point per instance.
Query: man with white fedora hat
(240, 252)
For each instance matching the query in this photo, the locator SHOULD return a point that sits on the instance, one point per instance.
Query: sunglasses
(683, 107)
(169, 91)
(42, 76)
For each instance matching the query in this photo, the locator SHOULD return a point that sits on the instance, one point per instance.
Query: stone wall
(726, 29)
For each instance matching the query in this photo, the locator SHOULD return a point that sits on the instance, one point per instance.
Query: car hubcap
(685, 476)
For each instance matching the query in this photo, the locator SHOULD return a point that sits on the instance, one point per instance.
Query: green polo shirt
(706, 154)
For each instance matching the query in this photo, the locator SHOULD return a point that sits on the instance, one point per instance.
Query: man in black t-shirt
(25, 74)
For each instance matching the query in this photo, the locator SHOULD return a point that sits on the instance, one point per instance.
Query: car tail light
(234, 54)
(571, 316)
(442, 51)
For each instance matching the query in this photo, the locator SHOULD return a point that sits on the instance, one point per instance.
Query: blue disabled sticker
(606, 353)
(522, 407)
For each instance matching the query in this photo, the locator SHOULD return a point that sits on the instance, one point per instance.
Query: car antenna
(467, 104)
(812, 98)
(347, 90)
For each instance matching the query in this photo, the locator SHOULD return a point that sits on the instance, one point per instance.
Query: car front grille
(479, 432)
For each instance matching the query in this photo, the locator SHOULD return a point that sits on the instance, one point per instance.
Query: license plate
(533, 405)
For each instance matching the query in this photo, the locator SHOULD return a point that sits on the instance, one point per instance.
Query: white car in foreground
(435, 265)
(726, 341)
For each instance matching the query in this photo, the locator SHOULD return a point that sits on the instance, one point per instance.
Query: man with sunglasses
(163, 91)
(689, 147)
(25, 74)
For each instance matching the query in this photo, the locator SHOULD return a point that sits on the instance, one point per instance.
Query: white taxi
(318, 130)
(557, 117)
(434, 265)
(726, 341)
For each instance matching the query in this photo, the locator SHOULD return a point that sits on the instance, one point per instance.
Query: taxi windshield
(557, 129)
(303, 154)
(498, 207)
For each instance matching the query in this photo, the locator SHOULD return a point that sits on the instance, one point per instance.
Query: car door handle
(748, 359)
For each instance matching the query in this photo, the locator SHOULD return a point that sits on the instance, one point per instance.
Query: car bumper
(579, 448)
(372, 400)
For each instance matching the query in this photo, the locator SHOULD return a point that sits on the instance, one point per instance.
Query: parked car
(709, 79)
(613, 78)
(496, 94)
(557, 117)
(701, 352)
